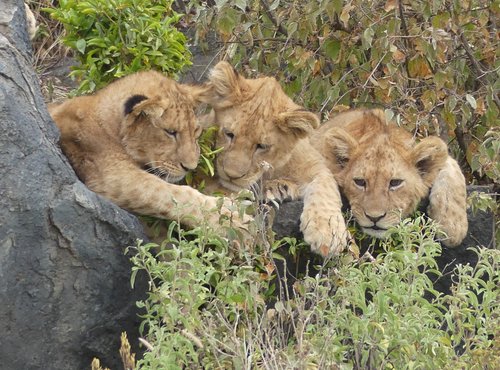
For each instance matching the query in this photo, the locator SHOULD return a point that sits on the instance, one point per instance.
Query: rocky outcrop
(65, 281)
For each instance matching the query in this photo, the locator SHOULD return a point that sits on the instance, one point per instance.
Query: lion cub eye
(361, 183)
(395, 183)
(169, 132)
(263, 147)
(228, 134)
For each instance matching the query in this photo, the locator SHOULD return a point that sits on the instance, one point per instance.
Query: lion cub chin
(384, 173)
(131, 140)
(264, 136)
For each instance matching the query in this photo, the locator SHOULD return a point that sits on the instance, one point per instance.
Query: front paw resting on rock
(326, 234)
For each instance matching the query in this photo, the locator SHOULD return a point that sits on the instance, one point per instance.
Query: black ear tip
(131, 102)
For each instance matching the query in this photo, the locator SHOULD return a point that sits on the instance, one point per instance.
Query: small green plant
(208, 153)
(113, 38)
(208, 307)
(197, 279)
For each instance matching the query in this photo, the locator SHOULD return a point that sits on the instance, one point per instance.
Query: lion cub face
(380, 169)
(259, 126)
(160, 133)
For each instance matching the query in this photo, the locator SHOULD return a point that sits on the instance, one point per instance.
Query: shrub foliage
(113, 38)
(208, 308)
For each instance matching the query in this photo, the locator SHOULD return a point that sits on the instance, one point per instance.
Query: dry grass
(50, 56)
(128, 358)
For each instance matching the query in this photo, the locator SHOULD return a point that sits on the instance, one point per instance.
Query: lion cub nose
(375, 219)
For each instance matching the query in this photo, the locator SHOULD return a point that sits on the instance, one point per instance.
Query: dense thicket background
(433, 65)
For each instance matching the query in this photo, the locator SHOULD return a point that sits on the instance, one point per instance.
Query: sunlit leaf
(242, 4)
(368, 37)
(398, 56)
(470, 99)
(390, 5)
(81, 45)
(418, 67)
(345, 16)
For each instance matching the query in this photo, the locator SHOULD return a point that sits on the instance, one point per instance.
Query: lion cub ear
(299, 123)
(140, 104)
(341, 143)
(429, 156)
(198, 93)
(226, 86)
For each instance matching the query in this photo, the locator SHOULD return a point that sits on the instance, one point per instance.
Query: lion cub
(131, 140)
(384, 174)
(265, 139)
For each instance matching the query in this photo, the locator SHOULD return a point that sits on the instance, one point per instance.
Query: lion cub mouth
(375, 231)
(164, 174)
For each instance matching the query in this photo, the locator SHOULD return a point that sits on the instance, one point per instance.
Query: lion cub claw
(281, 190)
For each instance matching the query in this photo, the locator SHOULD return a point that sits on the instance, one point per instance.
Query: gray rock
(65, 281)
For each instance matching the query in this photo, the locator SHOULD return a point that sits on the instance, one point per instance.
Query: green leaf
(274, 5)
(368, 37)
(332, 48)
(81, 44)
(472, 102)
(292, 28)
(242, 4)
(228, 20)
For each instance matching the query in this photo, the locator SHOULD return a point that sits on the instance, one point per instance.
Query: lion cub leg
(322, 222)
(144, 193)
(448, 203)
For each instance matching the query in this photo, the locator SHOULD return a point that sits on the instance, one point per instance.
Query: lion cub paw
(453, 224)
(225, 212)
(327, 236)
(281, 190)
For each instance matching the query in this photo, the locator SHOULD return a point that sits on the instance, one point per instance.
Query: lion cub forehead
(266, 99)
(382, 159)
(179, 117)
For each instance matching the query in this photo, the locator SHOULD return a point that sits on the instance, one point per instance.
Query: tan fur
(132, 157)
(265, 139)
(384, 174)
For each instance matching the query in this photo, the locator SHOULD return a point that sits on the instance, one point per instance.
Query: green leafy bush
(433, 65)
(113, 38)
(207, 308)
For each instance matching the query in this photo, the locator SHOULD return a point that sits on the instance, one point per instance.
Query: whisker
(153, 164)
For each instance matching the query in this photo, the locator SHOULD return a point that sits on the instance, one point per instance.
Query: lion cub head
(382, 172)
(259, 126)
(160, 131)
(144, 118)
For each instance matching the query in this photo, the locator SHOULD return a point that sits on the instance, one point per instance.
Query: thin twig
(482, 75)
(477, 66)
(272, 17)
